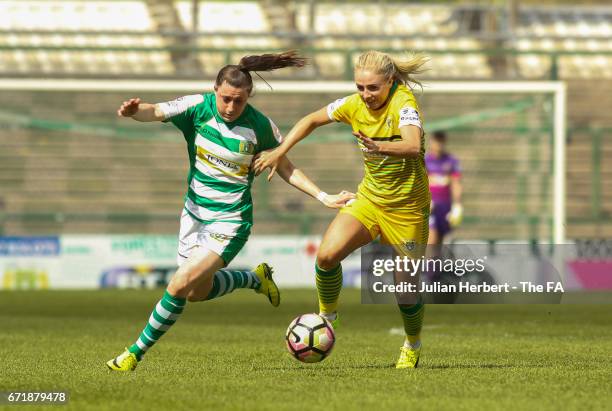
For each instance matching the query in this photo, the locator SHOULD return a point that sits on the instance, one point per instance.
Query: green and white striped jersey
(220, 155)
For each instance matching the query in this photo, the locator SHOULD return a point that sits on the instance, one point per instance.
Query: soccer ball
(310, 338)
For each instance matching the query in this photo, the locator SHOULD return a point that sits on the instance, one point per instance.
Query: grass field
(230, 354)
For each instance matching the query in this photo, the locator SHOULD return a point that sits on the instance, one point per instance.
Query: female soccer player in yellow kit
(393, 199)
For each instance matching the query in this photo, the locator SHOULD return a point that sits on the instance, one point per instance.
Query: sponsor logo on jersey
(409, 114)
(180, 105)
(332, 107)
(338, 103)
(208, 131)
(220, 163)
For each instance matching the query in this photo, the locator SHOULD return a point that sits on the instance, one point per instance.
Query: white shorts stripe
(194, 233)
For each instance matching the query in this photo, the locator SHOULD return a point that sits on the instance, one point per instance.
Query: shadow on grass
(322, 368)
(391, 366)
(461, 366)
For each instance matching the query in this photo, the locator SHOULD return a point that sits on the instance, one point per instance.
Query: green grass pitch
(230, 354)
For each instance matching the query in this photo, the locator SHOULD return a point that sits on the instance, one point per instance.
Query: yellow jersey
(400, 183)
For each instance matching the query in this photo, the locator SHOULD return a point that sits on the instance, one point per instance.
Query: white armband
(333, 106)
(179, 105)
(408, 116)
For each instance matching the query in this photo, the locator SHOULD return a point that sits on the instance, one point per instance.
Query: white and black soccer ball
(310, 338)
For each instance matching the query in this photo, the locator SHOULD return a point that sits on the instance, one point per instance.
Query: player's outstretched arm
(299, 131)
(299, 180)
(408, 147)
(140, 111)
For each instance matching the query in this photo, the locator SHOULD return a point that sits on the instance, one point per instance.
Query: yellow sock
(412, 315)
(329, 284)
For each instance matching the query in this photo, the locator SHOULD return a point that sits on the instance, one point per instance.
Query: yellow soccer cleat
(335, 322)
(126, 361)
(409, 357)
(268, 286)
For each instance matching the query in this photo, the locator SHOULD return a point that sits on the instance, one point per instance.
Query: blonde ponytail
(399, 69)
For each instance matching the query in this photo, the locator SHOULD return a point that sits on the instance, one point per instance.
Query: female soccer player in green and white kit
(223, 134)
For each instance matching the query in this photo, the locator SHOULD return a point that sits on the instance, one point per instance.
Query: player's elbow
(412, 151)
(316, 119)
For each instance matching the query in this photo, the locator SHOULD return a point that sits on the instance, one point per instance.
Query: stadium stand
(132, 37)
(216, 20)
(566, 30)
(75, 37)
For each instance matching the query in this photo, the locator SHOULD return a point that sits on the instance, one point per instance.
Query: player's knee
(327, 259)
(180, 285)
(199, 288)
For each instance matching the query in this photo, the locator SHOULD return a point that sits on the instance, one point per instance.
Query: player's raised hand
(370, 145)
(338, 200)
(129, 107)
(264, 160)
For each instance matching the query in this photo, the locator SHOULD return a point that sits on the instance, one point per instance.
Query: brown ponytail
(238, 75)
(269, 62)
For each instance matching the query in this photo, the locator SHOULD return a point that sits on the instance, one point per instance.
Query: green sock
(226, 281)
(165, 314)
(329, 284)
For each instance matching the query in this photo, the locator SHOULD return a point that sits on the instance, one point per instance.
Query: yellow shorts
(407, 232)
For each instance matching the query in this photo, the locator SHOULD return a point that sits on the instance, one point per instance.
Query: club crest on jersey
(246, 147)
(389, 122)
(222, 238)
(410, 245)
